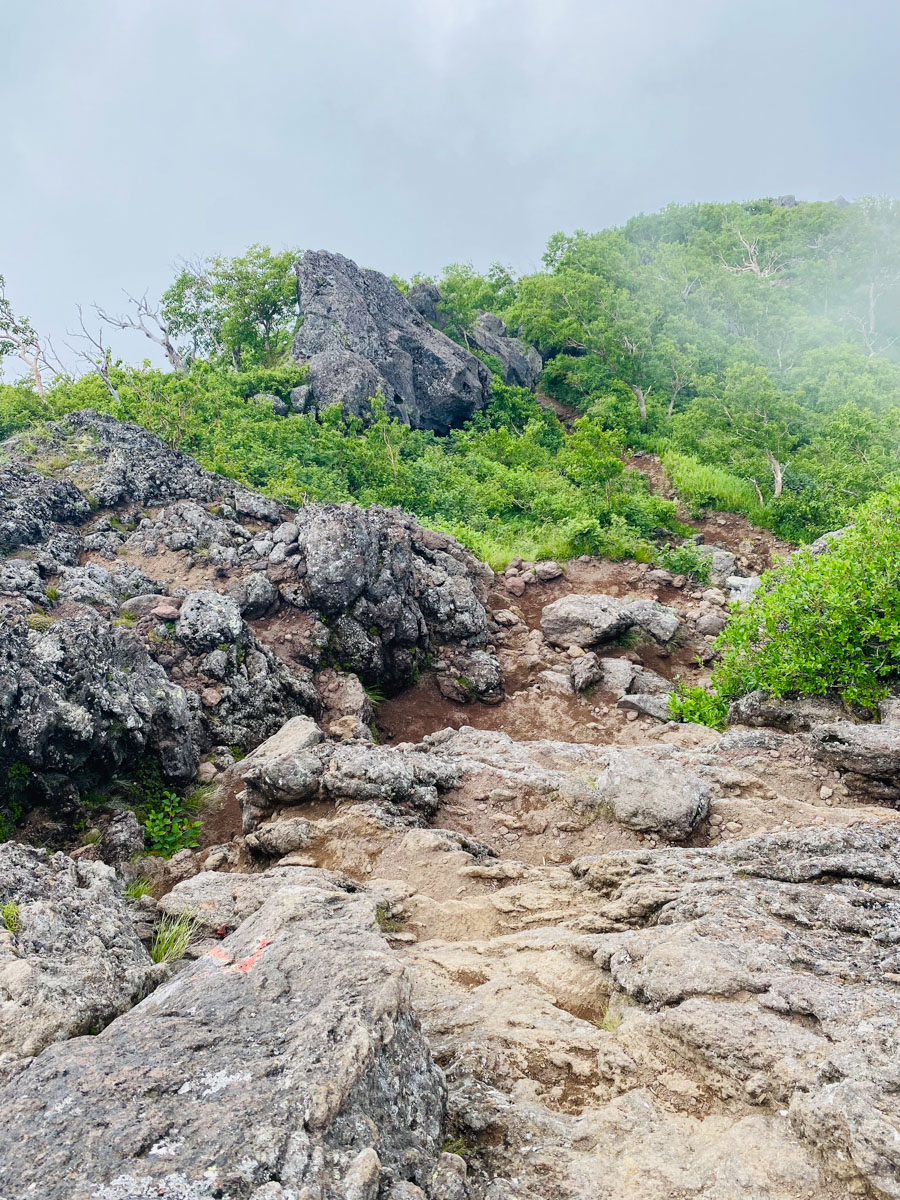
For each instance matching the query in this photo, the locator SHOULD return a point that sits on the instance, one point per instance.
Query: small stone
(208, 770)
(825, 792)
(210, 697)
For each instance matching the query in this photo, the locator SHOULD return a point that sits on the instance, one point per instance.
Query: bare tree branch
(150, 322)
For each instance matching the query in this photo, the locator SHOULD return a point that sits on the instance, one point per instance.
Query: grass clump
(173, 936)
(39, 621)
(387, 922)
(10, 916)
(702, 486)
(457, 1145)
(138, 888)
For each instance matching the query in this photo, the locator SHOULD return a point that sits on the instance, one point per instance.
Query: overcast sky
(411, 133)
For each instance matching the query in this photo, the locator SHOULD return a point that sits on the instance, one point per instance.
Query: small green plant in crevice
(172, 937)
(611, 1021)
(138, 888)
(168, 830)
(375, 694)
(39, 621)
(125, 619)
(632, 638)
(387, 921)
(686, 560)
(9, 915)
(457, 1145)
(52, 594)
(237, 753)
(697, 705)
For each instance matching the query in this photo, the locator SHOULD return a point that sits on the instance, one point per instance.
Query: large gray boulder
(522, 364)
(653, 795)
(288, 1062)
(72, 961)
(360, 335)
(584, 620)
(793, 714)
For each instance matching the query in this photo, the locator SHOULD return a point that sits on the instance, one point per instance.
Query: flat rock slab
(288, 1056)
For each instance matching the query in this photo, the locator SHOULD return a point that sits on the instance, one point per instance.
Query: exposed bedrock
(360, 336)
(285, 1063)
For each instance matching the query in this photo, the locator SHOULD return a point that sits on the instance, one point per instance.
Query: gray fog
(411, 133)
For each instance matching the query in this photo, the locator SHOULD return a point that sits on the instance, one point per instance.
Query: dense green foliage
(167, 829)
(755, 345)
(826, 624)
(509, 483)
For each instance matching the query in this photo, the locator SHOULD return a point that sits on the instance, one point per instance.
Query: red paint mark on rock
(246, 965)
(220, 954)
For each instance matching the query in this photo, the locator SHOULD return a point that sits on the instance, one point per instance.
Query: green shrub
(824, 625)
(9, 915)
(700, 706)
(172, 938)
(686, 560)
(168, 830)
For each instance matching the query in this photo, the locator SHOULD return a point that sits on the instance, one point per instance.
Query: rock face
(73, 961)
(870, 754)
(209, 1088)
(360, 335)
(83, 697)
(142, 629)
(522, 364)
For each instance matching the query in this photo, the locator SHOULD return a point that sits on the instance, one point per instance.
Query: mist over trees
(755, 346)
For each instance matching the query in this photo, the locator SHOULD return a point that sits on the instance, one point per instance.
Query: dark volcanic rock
(360, 334)
(288, 1062)
(522, 364)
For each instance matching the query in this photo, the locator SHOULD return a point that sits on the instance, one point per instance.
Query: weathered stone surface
(74, 962)
(522, 364)
(653, 795)
(208, 619)
(360, 335)
(83, 697)
(727, 958)
(871, 753)
(791, 713)
(660, 622)
(205, 1088)
(583, 620)
(654, 704)
(588, 672)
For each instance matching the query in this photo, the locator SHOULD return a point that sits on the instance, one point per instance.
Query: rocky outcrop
(207, 1088)
(70, 960)
(137, 619)
(867, 755)
(521, 363)
(361, 336)
(82, 698)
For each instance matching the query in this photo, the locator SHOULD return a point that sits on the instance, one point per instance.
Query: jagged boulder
(83, 698)
(72, 960)
(360, 335)
(583, 620)
(205, 1088)
(522, 364)
(869, 754)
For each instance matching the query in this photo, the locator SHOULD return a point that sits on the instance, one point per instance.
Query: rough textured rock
(660, 622)
(360, 334)
(83, 697)
(870, 753)
(522, 364)
(206, 1089)
(791, 713)
(653, 796)
(653, 704)
(583, 620)
(74, 962)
